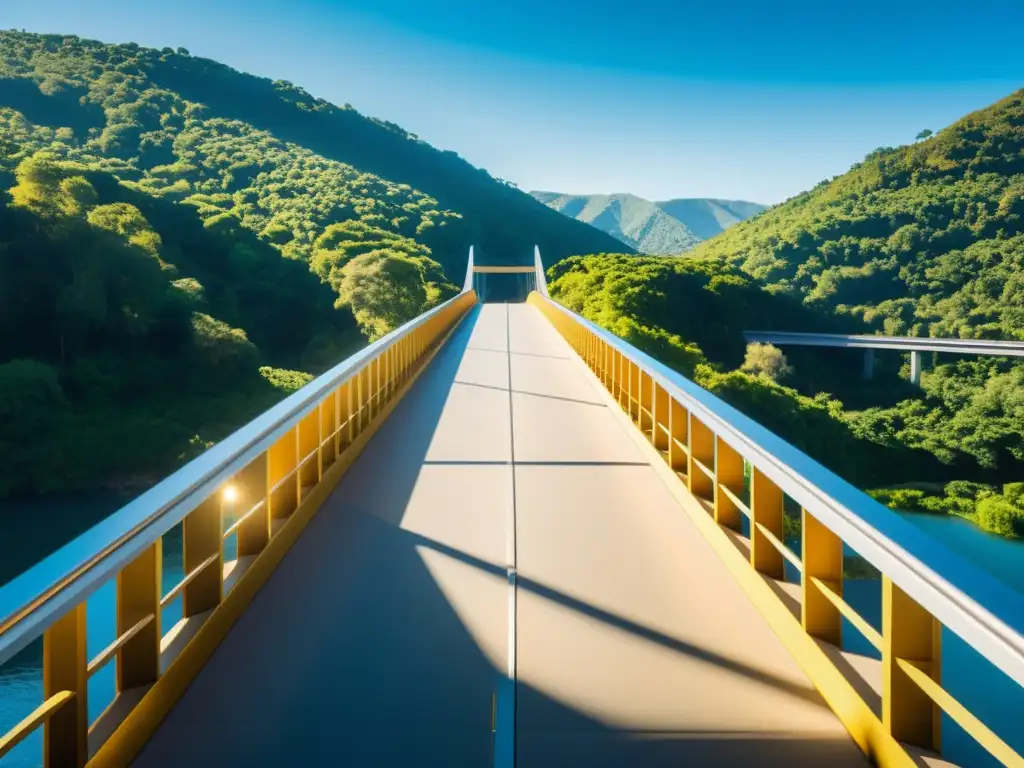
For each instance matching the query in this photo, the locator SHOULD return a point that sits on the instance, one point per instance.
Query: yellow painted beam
(766, 519)
(203, 542)
(702, 460)
(37, 717)
(728, 484)
(822, 557)
(138, 597)
(908, 634)
(66, 731)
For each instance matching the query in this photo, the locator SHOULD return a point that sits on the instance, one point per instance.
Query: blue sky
(749, 100)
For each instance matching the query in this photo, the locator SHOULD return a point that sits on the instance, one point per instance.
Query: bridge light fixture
(230, 494)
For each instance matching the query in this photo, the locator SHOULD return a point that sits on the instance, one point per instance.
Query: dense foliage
(182, 244)
(690, 314)
(998, 510)
(267, 154)
(921, 240)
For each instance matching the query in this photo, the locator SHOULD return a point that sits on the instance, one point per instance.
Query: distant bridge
(915, 346)
(502, 536)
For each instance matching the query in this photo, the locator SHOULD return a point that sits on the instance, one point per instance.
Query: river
(40, 527)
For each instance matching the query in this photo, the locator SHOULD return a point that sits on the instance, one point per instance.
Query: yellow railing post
(66, 732)
(767, 512)
(202, 540)
(910, 633)
(728, 475)
(702, 452)
(661, 418)
(679, 426)
(253, 484)
(138, 599)
(645, 406)
(328, 430)
(362, 395)
(348, 393)
(636, 396)
(622, 381)
(308, 435)
(822, 557)
(609, 374)
(376, 387)
(281, 461)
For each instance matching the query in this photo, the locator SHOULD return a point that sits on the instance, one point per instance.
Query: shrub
(999, 515)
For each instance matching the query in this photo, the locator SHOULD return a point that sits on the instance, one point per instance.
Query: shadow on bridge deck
(383, 635)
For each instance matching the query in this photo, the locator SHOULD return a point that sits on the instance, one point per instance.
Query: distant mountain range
(668, 227)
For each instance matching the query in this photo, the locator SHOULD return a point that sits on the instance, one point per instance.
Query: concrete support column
(915, 368)
(869, 363)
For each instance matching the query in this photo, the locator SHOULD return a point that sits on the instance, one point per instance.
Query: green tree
(923, 134)
(766, 360)
(384, 289)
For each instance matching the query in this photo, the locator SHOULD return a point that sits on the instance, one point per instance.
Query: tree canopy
(182, 243)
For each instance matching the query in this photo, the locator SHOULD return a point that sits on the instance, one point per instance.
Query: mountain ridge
(664, 228)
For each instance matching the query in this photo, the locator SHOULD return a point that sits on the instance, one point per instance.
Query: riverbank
(991, 508)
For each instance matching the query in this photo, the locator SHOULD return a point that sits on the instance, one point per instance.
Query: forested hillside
(690, 314)
(920, 240)
(181, 243)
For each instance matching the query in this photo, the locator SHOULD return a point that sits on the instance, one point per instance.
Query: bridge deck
(384, 633)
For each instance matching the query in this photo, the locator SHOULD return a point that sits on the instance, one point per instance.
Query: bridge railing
(713, 449)
(274, 471)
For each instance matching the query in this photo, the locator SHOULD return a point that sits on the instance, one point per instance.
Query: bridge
(914, 345)
(502, 536)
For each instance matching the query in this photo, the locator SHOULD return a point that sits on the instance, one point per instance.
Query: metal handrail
(40, 596)
(538, 265)
(905, 343)
(467, 284)
(982, 610)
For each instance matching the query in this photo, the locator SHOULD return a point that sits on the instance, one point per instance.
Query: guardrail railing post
(728, 475)
(362, 396)
(202, 538)
(282, 459)
(328, 430)
(606, 357)
(645, 406)
(138, 599)
(679, 427)
(619, 378)
(635, 395)
(310, 448)
(766, 509)
(822, 556)
(253, 485)
(661, 416)
(66, 732)
(376, 388)
(910, 633)
(702, 452)
(348, 412)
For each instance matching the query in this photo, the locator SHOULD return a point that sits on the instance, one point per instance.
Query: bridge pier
(915, 368)
(869, 364)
